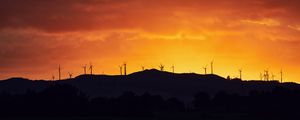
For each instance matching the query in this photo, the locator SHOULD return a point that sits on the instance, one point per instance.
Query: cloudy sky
(36, 36)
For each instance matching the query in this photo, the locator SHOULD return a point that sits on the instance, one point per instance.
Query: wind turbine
(240, 71)
(161, 67)
(173, 68)
(53, 77)
(281, 74)
(212, 66)
(266, 74)
(143, 68)
(59, 72)
(91, 68)
(125, 67)
(121, 69)
(205, 69)
(273, 77)
(261, 76)
(84, 69)
(70, 75)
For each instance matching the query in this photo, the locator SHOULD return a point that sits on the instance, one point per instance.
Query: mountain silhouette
(180, 85)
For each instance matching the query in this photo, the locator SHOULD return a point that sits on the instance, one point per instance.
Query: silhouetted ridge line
(153, 72)
(180, 85)
(17, 79)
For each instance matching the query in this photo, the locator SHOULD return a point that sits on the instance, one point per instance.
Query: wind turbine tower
(59, 73)
(70, 75)
(240, 71)
(121, 69)
(53, 77)
(173, 68)
(161, 67)
(91, 68)
(125, 67)
(261, 76)
(205, 70)
(84, 69)
(266, 75)
(281, 74)
(212, 66)
(273, 77)
(143, 68)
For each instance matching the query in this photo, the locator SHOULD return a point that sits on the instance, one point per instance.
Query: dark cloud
(77, 15)
(24, 50)
(55, 15)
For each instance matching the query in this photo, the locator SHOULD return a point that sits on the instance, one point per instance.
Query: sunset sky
(38, 35)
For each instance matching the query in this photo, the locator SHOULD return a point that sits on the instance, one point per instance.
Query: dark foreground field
(65, 102)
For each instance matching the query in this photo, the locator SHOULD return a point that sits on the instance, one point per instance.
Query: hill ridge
(180, 85)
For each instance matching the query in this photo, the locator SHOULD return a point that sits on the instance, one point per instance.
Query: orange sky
(38, 35)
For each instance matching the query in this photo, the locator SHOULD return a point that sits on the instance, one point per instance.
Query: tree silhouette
(62, 100)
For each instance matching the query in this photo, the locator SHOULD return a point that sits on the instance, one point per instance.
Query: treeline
(65, 100)
(280, 103)
(68, 101)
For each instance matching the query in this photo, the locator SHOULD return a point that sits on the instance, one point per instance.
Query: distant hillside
(182, 86)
